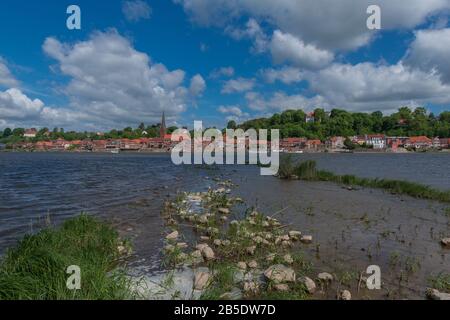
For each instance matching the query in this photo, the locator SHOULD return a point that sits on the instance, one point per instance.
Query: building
(291, 144)
(445, 143)
(163, 129)
(30, 133)
(310, 117)
(420, 142)
(335, 143)
(313, 144)
(378, 141)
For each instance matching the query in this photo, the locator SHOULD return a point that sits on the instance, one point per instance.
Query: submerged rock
(325, 276)
(172, 236)
(434, 294)
(280, 273)
(445, 242)
(309, 284)
(306, 239)
(202, 279)
(345, 295)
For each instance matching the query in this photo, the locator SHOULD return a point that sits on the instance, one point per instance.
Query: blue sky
(216, 60)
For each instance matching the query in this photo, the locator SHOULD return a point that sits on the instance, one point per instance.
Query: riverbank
(307, 170)
(36, 268)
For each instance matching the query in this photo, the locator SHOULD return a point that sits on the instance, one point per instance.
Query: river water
(351, 229)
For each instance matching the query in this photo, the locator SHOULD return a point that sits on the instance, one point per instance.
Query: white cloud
(6, 78)
(252, 31)
(431, 51)
(233, 113)
(14, 105)
(286, 74)
(222, 72)
(136, 10)
(280, 101)
(198, 85)
(238, 85)
(112, 84)
(323, 23)
(287, 48)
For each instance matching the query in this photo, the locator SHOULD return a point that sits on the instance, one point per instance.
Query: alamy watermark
(235, 147)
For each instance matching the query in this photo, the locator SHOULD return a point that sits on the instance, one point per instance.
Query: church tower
(162, 129)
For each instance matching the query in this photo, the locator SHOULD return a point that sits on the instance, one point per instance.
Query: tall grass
(307, 171)
(36, 268)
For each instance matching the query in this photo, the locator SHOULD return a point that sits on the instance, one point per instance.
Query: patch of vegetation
(36, 268)
(440, 282)
(307, 171)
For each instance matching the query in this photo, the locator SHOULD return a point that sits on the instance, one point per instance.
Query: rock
(169, 248)
(203, 219)
(251, 250)
(217, 242)
(234, 222)
(325, 276)
(434, 294)
(201, 246)
(234, 294)
(196, 257)
(271, 257)
(251, 287)
(121, 249)
(281, 287)
(182, 245)
(445, 242)
(242, 265)
(288, 259)
(201, 280)
(309, 284)
(258, 239)
(306, 239)
(226, 243)
(172, 236)
(345, 295)
(224, 210)
(253, 264)
(280, 273)
(204, 238)
(208, 253)
(295, 235)
(265, 224)
(223, 218)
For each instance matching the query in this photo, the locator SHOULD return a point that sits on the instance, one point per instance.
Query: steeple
(162, 130)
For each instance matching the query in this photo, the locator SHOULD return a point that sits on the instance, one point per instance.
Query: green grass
(441, 282)
(36, 268)
(307, 171)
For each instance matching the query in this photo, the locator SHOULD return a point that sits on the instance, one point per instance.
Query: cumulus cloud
(6, 78)
(222, 72)
(252, 31)
(287, 48)
(361, 87)
(198, 85)
(238, 85)
(112, 84)
(233, 113)
(15, 105)
(286, 74)
(136, 10)
(323, 23)
(430, 50)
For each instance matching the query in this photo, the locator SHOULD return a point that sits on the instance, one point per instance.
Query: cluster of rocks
(258, 246)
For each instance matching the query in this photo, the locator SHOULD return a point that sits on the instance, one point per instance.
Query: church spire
(162, 130)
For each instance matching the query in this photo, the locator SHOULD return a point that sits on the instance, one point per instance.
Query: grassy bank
(36, 268)
(307, 170)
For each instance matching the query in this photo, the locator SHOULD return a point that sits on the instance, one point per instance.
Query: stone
(251, 250)
(281, 287)
(288, 259)
(445, 242)
(253, 264)
(223, 218)
(234, 294)
(434, 294)
(121, 249)
(201, 246)
(172, 236)
(208, 253)
(280, 273)
(234, 222)
(251, 287)
(286, 244)
(203, 219)
(271, 257)
(309, 284)
(265, 224)
(226, 243)
(204, 238)
(295, 235)
(306, 239)
(258, 239)
(182, 245)
(169, 248)
(325, 276)
(201, 280)
(224, 210)
(217, 242)
(345, 295)
(242, 265)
